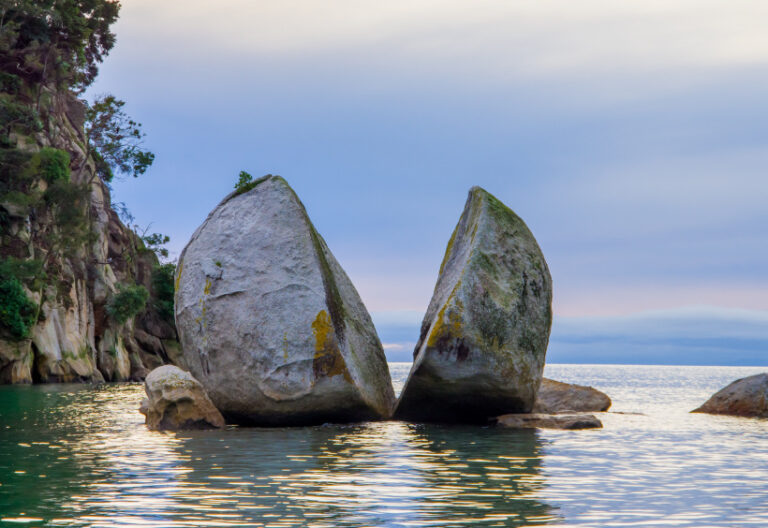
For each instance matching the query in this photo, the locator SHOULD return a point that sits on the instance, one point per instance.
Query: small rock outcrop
(176, 400)
(744, 397)
(484, 337)
(269, 322)
(556, 397)
(549, 421)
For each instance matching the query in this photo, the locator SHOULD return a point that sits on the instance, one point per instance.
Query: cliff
(62, 242)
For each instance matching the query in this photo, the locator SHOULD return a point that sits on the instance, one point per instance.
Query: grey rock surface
(484, 337)
(176, 400)
(269, 322)
(549, 421)
(556, 396)
(744, 397)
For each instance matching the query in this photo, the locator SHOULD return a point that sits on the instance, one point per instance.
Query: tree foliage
(128, 302)
(59, 41)
(163, 291)
(17, 311)
(115, 140)
(155, 243)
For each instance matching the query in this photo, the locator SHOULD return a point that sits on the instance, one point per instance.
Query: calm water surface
(80, 456)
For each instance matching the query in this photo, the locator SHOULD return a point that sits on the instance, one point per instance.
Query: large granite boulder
(556, 396)
(485, 334)
(269, 322)
(744, 397)
(175, 400)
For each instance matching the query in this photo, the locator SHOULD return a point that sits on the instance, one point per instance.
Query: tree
(114, 140)
(127, 302)
(56, 41)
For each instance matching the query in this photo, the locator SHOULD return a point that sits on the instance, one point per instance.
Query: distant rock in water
(269, 322)
(744, 397)
(549, 421)
(555, 396)
(484, 337)
(176, 400)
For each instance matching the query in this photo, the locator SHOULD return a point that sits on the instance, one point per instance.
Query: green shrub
(17, 311)
(69, 204)
(53, 164)
(128, 302)
(245, 182)
(162, 290)
(27, 271)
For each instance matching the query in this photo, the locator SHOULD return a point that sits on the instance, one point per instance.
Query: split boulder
(269, 322)
(484, 337)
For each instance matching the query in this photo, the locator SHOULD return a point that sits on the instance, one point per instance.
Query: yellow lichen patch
(446, 329)
(178, 277)
(328, 361)
(207, 289)
(448, 249)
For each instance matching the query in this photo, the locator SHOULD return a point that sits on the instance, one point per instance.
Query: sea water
(75, 455)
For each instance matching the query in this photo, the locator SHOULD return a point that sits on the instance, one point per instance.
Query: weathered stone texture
(549, 421)
(744, 397)
(556, 396)
(484, 337)
(176, 400)
(269, 322)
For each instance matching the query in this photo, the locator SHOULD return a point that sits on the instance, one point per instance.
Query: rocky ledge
(557, 397)
(549, 421)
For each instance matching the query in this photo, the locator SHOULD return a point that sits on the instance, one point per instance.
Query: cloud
(630, 136)
(684, 336)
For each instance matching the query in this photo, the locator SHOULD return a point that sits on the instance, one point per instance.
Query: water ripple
(80, 456)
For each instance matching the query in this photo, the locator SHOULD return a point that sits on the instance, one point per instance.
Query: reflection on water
(77, 456)
(81, 456)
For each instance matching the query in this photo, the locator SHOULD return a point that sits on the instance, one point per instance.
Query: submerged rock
(176, 400)
(484, 336)
(269, 322)
(549, 421)
(555, 396)
(744, 397)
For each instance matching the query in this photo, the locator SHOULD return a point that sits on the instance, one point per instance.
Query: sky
(632, 138)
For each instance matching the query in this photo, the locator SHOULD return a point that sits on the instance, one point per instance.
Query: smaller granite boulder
(556, 397)
(549, 421)
(176, 401)
(484, 337)
(743, 397)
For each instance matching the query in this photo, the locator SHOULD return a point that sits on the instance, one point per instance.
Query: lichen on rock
(484, 337)
(269, 322)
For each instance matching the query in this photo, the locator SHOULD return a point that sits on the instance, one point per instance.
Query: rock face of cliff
(269, 322)
(72, 336)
